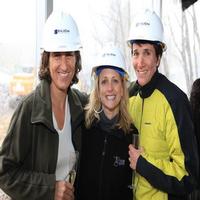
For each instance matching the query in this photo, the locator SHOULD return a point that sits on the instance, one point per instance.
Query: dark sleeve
(158, 179)
(16, 179)
(170, 184)
(83, 97)
(196, 119)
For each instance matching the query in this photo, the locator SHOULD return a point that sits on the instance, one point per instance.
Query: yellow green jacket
(168, 167)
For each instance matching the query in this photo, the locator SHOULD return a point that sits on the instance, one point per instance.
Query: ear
(158, 61)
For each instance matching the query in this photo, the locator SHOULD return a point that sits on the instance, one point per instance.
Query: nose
(64, 61)
(139, 61)
(110, 86)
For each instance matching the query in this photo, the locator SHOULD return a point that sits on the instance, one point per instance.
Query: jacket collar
(146, 90)
(42, 109)
(76, 109)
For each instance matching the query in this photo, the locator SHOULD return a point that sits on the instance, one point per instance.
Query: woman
(104, 170)
(46, 126)
(167, 162)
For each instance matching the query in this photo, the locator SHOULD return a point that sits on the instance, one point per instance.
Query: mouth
(110, 97)
(143, 72)
(63, 74)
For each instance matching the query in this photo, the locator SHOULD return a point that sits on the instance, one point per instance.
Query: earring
(97, 112)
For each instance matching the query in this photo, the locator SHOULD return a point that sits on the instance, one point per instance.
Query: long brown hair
(44, 72)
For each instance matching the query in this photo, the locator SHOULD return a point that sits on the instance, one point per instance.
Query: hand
(134, 155)
(64, 191)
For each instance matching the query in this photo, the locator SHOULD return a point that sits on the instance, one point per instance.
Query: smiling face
(110, 91)
(62, 69)
(145, 62)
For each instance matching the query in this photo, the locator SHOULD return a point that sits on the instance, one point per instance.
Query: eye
(135, 53)
(103, 82)
(147, 53)
(115, 80)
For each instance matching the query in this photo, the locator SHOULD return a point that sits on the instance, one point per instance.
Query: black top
(104, 169)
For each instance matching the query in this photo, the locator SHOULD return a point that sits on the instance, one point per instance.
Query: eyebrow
(70, 53)
(145, 50)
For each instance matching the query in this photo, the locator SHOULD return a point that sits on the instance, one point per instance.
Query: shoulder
(81, 96)
(170, 90)
(133, 88)
(23, 110)
(26, 102)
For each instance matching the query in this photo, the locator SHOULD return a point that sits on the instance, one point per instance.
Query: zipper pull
(104, 146)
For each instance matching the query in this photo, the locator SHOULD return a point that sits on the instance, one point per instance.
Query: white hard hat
(61, 33)
(147, 26)
(110, 57)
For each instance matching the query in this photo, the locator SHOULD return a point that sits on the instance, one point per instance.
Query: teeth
(63, 74)
(111, 97)
(142, 72)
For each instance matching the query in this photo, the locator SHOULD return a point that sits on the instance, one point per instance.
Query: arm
(17, 176)
(176, 173)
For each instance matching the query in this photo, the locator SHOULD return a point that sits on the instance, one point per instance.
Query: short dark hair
(44, 72)
(156, 44)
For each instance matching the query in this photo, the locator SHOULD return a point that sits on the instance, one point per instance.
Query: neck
(58, 98)
(110, 114)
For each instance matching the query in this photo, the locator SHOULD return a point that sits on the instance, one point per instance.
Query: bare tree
(186, 49)
(117, 22)
(190, 46)
(196, 42)
(164, 59)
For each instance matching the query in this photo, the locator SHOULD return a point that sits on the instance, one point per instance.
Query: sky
(18, 25)
(17, 21)
(18, 18)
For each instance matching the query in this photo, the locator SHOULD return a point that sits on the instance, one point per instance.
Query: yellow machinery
(21, 84)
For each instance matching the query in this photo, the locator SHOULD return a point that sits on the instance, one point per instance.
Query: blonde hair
(94, 106)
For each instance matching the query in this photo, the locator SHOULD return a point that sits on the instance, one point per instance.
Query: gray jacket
(28, 155)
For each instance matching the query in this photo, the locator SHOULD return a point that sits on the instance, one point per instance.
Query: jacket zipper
(101, 168)
(140, 133)
(141, 115)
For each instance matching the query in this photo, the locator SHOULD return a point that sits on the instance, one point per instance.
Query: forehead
(109, 72)
(142, 46)
(68, 53)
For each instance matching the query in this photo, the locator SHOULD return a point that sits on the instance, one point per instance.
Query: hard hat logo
(108, 54)
(142, 24)
(56, 31)
(110, 57)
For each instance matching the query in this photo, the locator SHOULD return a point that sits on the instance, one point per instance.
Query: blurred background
(99, 21)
